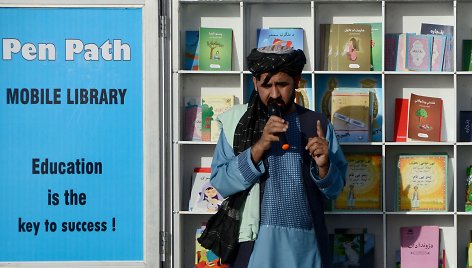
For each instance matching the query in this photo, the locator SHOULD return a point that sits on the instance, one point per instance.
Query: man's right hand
(273, 126)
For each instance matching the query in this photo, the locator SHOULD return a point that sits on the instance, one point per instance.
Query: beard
(284, 107)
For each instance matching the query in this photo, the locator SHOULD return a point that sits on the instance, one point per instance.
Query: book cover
(422, 182)
(391, 47)
(401, 54)
(324, 46)
(467, 55)
(304, 92)
(289, 37)
(212, 106)
(203, 197)
(419, 246)
(418, 56)
(376, 46)
(333, 47)
(425, 118)
(437, 55)
(465, 125)
(448, 62)
(363, 184)
(325, 84)
(352, 114)
(192, 119)
(215, 49)
(191, 50)
(437, 29)
(354, 47)
(348, 248)
(367, 256)
(401, 120)
(205, 258)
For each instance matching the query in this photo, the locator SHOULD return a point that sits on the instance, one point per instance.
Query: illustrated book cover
(425, 118)
(351, 47)
(215, 49)
(289, 37)
(205, 258)
(325, 84)
(376, 46)
(400, 127)
(192, 119)
(362, 191)
(422, 182)
(418, 56)
(419, 246)
(352, 114)
(191, 50)
(212, 106)
(203, 197)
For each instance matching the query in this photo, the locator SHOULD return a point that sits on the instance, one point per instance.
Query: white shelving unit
(245, 17)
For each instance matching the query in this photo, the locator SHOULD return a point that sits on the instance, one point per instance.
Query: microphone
(274, 109)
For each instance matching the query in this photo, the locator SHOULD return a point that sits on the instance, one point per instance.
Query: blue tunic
(286, 236)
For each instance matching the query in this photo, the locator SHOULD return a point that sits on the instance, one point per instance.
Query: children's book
(193, 119)
(304, 92)
(351, 116)
(401, 120)
(191, 50)
(467, 55)
(465, 125)
(418, 56)
(419, 246)
(348, 248)
(289, 37)
(363, 184)
(425, 118)
(205, 258)
(212, 106)
(203, 197)
(325, 84)
(215, 49)
(422, 182)
(352, 44)
(437, 55)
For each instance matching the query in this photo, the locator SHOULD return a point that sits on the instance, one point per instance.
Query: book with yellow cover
(212, 106)
(363, 183)
(422, 182)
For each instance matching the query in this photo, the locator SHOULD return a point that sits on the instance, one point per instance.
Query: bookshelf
(245, 17)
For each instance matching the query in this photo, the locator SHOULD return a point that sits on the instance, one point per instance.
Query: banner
(71, 134)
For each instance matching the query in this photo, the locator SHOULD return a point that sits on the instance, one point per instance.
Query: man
(289, 186)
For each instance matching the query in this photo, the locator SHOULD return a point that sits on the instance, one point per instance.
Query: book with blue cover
(191, 50)
(289, 37)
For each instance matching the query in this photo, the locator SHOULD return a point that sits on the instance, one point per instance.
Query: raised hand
(318, 149)
(273, 126)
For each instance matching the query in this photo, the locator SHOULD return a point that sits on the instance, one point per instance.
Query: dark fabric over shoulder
(316, 200)
(243, 256)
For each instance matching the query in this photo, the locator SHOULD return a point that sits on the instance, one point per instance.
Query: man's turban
(274, 59)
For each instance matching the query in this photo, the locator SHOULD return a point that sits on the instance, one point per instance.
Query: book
(425, 118)
(289, 37)
(401, 53)
(363, 184)
(401, 120)
(467, 55)
(352, 114)
(325, 84)
(205, 258)
(418, 56)
(465, 126)
(437, 29)
(203, 196)
(391, 47)
(191, 50)
(348, 248)
(351, 44)
(304, 92)
(419, 246)
(325, 30)
(215, 49)
(212, 106)
(192, 119)
(422, 182)
(375, 46)
(437, 54)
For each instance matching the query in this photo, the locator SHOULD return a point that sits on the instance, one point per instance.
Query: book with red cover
(401, 120)
(425, 118)
(419, 246)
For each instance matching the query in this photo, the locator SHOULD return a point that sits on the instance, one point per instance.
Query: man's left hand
(318, 149)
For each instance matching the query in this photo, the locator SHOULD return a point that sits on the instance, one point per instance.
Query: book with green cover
(215, 49)
(467, 55)
(376, 46)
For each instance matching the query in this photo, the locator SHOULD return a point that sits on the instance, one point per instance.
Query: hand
(273, 126)
(318, 149)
